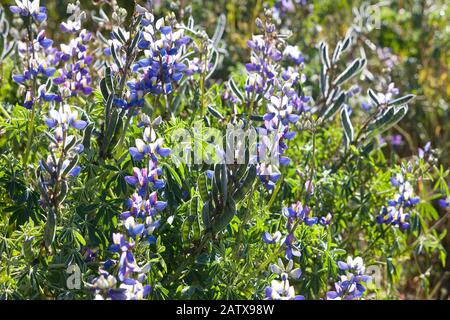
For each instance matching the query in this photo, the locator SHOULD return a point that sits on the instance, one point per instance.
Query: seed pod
(202, 187)
(50, 228)
(206, 215)
(241, 192)
(222, 221)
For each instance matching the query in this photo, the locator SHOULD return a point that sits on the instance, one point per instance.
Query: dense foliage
(224, 150)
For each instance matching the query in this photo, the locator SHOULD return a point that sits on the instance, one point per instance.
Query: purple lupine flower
(283, 7)
(30, 8)
(325, 221)
(271, 239)
(350, 286)
(160, 70)
(390, 94)
(38, 64)
(106, 288)
(444, 203)
(294, 54)
(134, 229)
(127, 263)
(74, 75)
(396, 140)
(295, 214)
(422, 152)
(282, 290)
(397, 210)
(64, 118)
(149, 146)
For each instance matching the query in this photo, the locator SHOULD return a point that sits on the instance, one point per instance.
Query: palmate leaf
(222, 220)
(387, 119)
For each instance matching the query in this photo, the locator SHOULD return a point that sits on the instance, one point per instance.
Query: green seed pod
(240, 172)
(50, 228)
(202, 186)
(241, 192)
(223, 220)
(206, 215)
(63, 192)
(224, 182)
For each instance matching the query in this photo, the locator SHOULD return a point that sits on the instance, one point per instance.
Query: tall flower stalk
(34, 50)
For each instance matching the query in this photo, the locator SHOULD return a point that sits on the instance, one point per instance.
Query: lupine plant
(155, 153)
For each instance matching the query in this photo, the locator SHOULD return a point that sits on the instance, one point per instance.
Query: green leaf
(79, 238)
(215, 113)
(235, 90)
(242, 191)
(331, 111)
(220, 28)
(401, 101)
(323, 47)
(373, 96)
(348, 128)
(202, 187)
(50, 228)
(350, 72)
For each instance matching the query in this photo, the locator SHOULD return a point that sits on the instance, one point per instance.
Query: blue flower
(65, 118)
(397, 210)
(149, 146)
(30, 7)
(282, 290)
(134, 229)
(271, 239)
(444, 203)
(350, 285)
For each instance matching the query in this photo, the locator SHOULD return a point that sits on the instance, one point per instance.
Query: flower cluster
(280, 86)
(296, 214)
(397, 210)
(281, 289)
(275, 135)
(106, 286)
(144, 205)
(350, 286)
(35, 50)
(73, 76)
(30, 8)
(283, 7)
(160, 69)
(62, 160)
(139, 220)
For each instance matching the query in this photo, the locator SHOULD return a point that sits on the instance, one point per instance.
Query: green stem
(33, 94)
